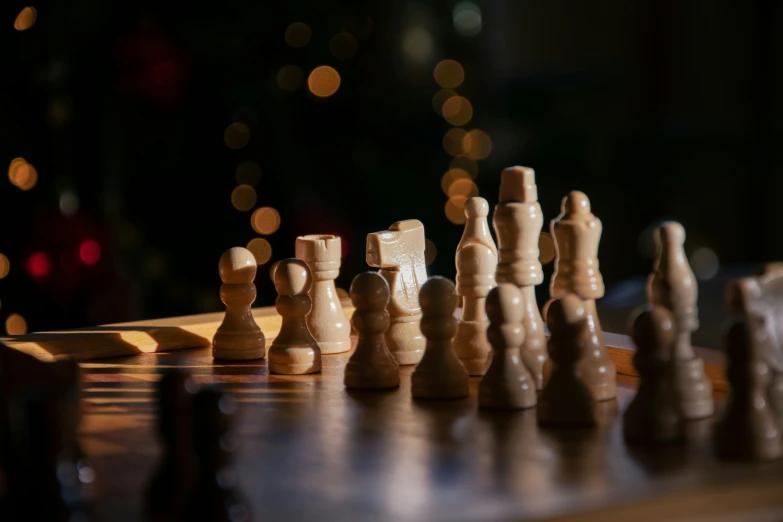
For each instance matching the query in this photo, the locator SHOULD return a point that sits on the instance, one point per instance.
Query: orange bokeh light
(323, 81)
(457, 111)
(265, 220)
(449, 74)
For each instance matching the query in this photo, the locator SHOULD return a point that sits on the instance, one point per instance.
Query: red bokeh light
(89, 252)
(38, 265)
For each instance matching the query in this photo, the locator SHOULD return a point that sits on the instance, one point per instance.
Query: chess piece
(568, 398)
(238, 337)
(399, 253)
(294, 351)
(507, 384)
(577, 232)
(653, 416)
(476, 262)
(749, 430)
(518, 220)
(171, 485)
(215, 496)
(371, 366)
(673, 286)
(326, 321)
(440, 374)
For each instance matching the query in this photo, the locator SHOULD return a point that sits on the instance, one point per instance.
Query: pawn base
(694, 389)
(334, 346)
(294, 368)
(245, 346)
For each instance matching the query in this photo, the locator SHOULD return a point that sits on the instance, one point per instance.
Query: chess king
(399, 253)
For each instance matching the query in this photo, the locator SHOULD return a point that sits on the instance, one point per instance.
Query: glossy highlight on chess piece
(238, 337)
(326, 321)
(399, 253)
(518, 220)
(371, 366)
(439, 374)
(476, 262)
(507, 384)
(294, 351)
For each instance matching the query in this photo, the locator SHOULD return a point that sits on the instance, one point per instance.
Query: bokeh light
(22, 174)
(430, 251)
(323, 81)
(467, 18)
(243, 197)
(440, 98)
(454, 140)
(467, 164)
(705, 264)
(261, 250)
(89, 252)
(290, 77)
(343, 46)
(236, 135)
(463, 187)
(457, 110)
(450, 177)
(68, 203)
(449, 74)
(546, 248)
(455, 210)
(5, 266)
(477, 144)
(15, 325)
(248, 173)
(417, 43)
(298, 34)
(38, 265)
(25, 19)
(265, 220)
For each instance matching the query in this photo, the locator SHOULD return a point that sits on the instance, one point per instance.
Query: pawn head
(476, 207)
(438, 297)
(237, 266)
(575, 203)
(369, 291)
(518, 184)
(653, 331)
(504, 304)
(564, 312)
(292, 277)
(670, 233)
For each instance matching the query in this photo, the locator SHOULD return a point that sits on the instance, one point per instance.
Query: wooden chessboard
(312, 450)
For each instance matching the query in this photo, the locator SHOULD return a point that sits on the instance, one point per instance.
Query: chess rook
(577, 233)
(326, 321)
(653, 416)
(507, 383)
(673, 286)
(238, 337)
(439, 374)
(399, 253)
(517, 221)
(294, 351)
(568, 397)
(371, 366)
(476, 262)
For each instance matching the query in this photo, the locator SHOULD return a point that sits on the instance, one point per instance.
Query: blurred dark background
(141, 138)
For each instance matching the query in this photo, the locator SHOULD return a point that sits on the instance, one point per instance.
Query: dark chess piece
(169, 489)
(215, 497)
(653, 416)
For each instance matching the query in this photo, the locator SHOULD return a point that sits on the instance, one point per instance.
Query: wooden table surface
(312, 450)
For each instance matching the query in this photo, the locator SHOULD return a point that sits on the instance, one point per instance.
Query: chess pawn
(568, 399)
(326, 321)
(653, 416)
(371, 366)
(749, 429)
(673, 286)
(518, 221)
(577, 233)
(476, 262)
(399, 253)
(507, 384)
(294, 351)
(215, 496)
(238, 337)
(439, 374)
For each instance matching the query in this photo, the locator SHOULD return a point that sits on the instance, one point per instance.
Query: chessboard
(310, 449)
